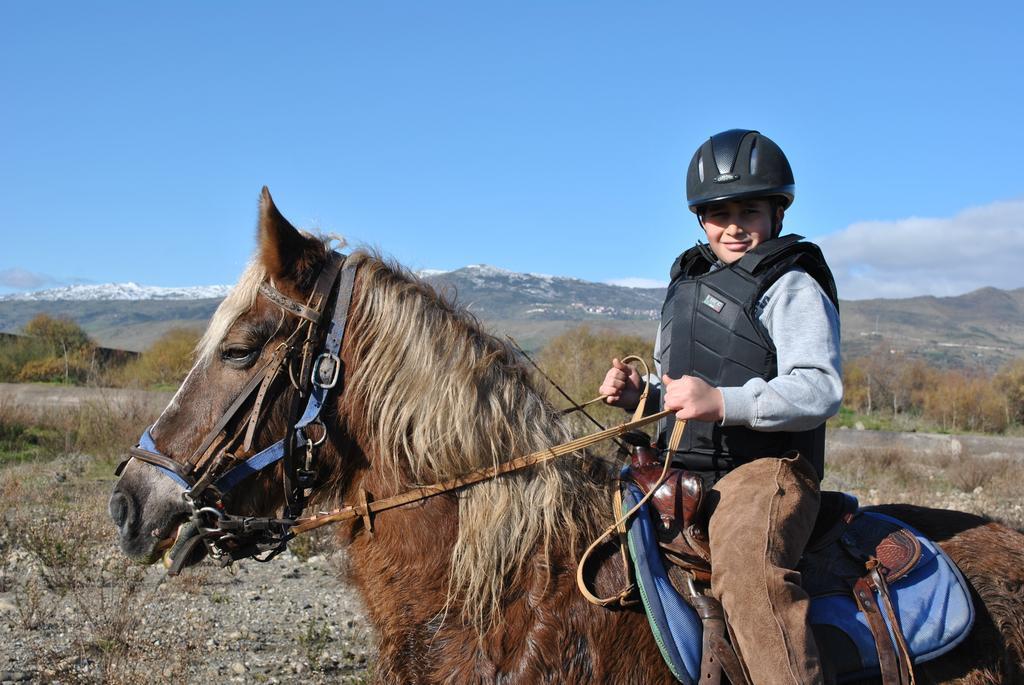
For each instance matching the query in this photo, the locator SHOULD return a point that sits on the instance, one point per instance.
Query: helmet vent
(726, 147)
(700, 168)
(753, 157)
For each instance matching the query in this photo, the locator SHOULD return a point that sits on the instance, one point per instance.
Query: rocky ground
(73, 610)
(284, 622)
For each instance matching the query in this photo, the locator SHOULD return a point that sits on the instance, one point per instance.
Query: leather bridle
(215, 468)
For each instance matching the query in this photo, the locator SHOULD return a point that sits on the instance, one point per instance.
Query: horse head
(235, 402)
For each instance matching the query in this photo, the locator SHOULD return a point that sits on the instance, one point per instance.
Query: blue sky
(544, 137)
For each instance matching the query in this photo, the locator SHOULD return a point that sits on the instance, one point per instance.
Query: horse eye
(238, 356)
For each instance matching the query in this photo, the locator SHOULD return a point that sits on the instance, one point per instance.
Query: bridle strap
(172, 468)
(277, 361)
(288, 304)
(326, 371)
(243, 396)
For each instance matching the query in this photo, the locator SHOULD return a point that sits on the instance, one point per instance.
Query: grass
(20, 442)
(907, 423)
(102, 428)
(882, 421)
(314, 638)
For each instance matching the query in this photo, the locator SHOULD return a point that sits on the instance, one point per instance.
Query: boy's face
(735, 226)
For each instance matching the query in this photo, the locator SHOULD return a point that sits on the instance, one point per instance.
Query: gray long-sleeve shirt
(804, 325)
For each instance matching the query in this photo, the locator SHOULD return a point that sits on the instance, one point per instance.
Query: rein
(213, 469)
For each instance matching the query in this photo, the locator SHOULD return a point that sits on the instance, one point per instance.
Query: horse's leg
(991, 557)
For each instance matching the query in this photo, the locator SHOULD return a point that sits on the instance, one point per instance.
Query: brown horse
(476, 585)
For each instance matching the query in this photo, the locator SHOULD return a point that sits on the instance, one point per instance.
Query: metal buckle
(336, 372)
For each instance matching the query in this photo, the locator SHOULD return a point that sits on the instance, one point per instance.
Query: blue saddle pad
(932, 601)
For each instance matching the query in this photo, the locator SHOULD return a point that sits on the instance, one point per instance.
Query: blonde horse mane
(239, 300)
(440, 398)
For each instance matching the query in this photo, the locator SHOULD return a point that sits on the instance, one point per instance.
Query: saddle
(847, 556)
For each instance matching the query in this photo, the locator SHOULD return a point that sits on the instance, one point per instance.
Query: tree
(1010, 383)
(64, 336)
(578, 359)
(165, 363)
(856, 385)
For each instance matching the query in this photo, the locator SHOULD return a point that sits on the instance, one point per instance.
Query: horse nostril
(122, 510)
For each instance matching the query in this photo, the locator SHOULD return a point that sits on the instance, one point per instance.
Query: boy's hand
(691, 398)
(622, 386)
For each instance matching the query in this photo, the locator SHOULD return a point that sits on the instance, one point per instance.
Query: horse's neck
(403, 574)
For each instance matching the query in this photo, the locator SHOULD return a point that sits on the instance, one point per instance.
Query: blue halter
(236, 475)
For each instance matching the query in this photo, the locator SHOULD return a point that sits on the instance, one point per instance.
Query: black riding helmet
(735, 164)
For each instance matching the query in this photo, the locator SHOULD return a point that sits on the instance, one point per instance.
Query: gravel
(281, 622)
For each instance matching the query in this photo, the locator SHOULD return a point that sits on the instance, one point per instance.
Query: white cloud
(980, 246)
(637, 282)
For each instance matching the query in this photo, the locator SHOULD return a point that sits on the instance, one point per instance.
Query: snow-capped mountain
(981, 327)
(122, 291)
(131, 316)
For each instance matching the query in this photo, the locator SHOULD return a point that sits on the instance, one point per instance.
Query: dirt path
(39, 396)
(989, 446)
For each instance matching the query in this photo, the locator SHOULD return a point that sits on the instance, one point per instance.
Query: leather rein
(215, 468)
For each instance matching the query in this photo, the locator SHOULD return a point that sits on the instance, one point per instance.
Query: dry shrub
(6, 552)
(110, 603)
(111, 607)
(164, 365)
(108, 428)
(33, 604)
(103, 428)
(1006, 484)
(577, 360)
(970, 473)
(64, 541)
(77, 568)
(872, 467)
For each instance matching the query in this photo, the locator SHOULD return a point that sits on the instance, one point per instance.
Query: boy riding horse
(748, 354)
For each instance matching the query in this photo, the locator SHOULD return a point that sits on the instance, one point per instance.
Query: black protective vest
(710, 329)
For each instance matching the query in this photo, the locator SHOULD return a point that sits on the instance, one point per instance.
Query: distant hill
(984, 327)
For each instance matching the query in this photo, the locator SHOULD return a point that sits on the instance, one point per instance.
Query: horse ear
(284, 251)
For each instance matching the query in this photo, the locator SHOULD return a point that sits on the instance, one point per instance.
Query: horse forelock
(239, 300)
(436, 397)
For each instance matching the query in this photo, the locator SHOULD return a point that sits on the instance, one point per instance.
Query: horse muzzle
(147, 509)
